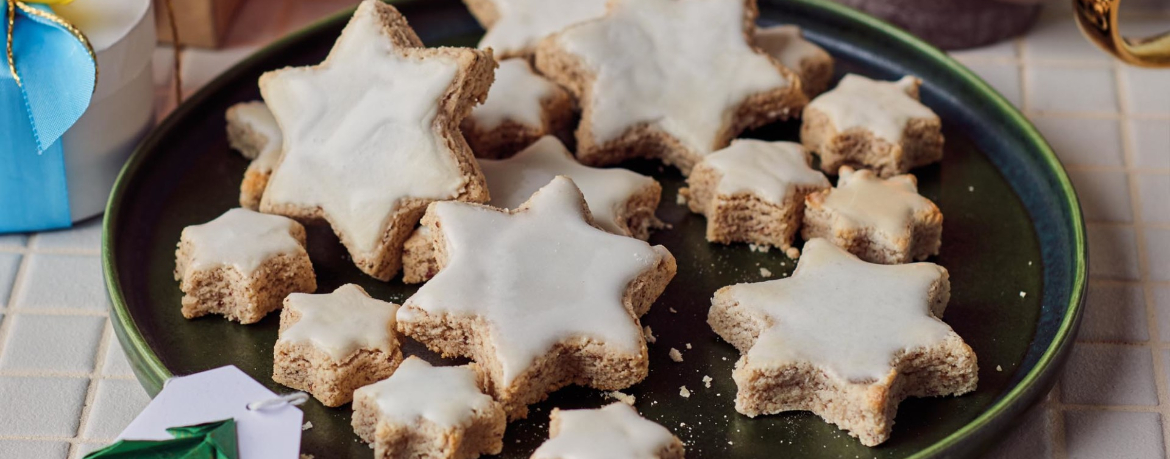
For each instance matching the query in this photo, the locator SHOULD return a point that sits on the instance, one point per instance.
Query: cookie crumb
(1029, 263)
(306, 426)
(1023, 294)
(765, 272)
(762, 248)
(998, 368)
(672, 311)
(682, 390)
(971, 189)
(680, 199)
(688, 346)
(707, 381)
(621, 397)
(675, 355)
(792, 253)
(650, 338)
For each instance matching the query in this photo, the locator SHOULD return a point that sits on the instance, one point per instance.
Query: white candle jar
(122, 108)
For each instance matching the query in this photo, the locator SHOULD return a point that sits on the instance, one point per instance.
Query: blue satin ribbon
(57, 80)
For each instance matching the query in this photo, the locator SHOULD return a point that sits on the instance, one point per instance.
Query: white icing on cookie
(615, 431)
(240, 238)
(523, 23)
(842, 314)
(447, 396)
(512, 181)
(515, 96)
(770, 170)
(682, 66)
(537, 277)
(256, 117)
(787, 45)
(863, 200)
(359, 132)
(342, 322)
(882, 107)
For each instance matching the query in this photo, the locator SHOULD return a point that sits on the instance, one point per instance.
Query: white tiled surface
(66, 388)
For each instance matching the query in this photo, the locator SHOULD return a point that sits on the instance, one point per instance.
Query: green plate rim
(152, 374)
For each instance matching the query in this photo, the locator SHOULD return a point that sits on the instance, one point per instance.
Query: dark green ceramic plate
(1012, 225)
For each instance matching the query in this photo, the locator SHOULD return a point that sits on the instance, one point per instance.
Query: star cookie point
(514, 27)
(621, 201)
(371, 135)
(521, 107)
(673, 79)
(537, 296)
(845, 339)
(811, 63)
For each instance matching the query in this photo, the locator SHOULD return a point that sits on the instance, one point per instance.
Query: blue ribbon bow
(55, 78)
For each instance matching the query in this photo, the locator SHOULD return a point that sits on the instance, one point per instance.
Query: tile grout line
(99, 362)
(1161, 384)
(17, 284)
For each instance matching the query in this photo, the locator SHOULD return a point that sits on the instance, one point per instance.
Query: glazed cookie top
(842, 314)
(682, 66)
(361, 129)
(610, 432)
(786, 44)
(864, 200)
(516, 95)
(447, 396)
(342, 322)
(882, 107)
(256, 117)
(240, 238)
(771, 170)
(521, 24)
(537, 276)
(512, 181)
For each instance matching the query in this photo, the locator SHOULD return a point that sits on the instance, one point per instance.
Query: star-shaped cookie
(753, 191)
(538, 297)
(845, 339)
(371, 135)
(521, 107)
(514, 27)
(672, 79)
(615, 431)
(879, 220)
(877, 125)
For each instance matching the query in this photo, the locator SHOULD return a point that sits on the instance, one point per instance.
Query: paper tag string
(295, 399)
(177, 45)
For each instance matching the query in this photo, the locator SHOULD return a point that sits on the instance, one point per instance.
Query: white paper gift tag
(269, 431)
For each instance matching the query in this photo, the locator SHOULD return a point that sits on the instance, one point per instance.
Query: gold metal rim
(1099, 22)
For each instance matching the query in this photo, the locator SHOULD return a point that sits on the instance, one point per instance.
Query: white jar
(121, 111)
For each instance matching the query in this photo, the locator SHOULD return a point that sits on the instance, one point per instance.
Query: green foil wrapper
(213, 440)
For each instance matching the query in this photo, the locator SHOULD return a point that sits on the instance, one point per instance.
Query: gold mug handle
(1098, 21)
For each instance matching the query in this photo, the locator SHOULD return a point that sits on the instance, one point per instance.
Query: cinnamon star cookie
(538, 297)
(845, 339)
(672, 79)
(371, 135)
